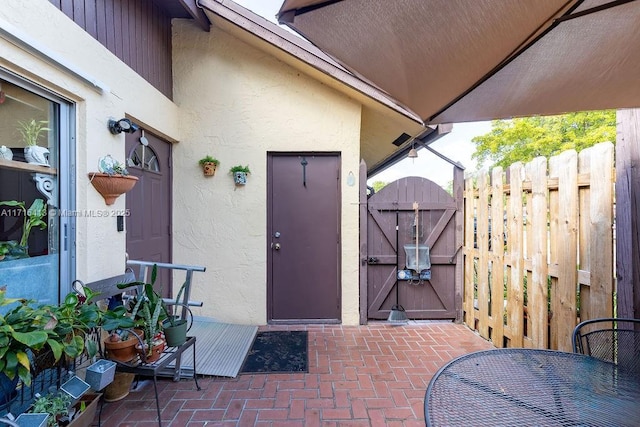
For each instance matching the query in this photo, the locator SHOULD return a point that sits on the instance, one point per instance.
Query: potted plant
(25, 329)
(209, 165)
(239, 173)
(63, 411)
(176, 326)
(120, 346)
(55, 404)
(33, 218)
(121, 339)
(147, 312)
(75, 317)
(112, 180)
(31, 131)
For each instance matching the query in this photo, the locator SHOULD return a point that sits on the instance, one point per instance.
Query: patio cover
(468, 60)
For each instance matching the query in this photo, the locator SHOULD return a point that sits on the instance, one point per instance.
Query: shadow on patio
(358, 376)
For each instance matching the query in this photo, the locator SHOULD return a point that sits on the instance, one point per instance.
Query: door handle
(276, 246)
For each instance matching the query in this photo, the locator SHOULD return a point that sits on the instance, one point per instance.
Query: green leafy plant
(28, 330)
(239, 168)
(32, 130)
(117, 321)
(25, 328)
(147, 308)
(55, 404)
(171, 313)
(32, 217)
(208, 159)
(111, 166)
(76, 316)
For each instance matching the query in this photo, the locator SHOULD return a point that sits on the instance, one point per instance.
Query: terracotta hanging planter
(209, 165)
(112, 186)
(209, 169)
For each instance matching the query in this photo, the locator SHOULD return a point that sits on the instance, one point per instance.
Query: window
(35, 148)
(144, 157)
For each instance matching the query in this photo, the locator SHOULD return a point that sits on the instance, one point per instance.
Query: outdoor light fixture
(413, 153)
(122, 125)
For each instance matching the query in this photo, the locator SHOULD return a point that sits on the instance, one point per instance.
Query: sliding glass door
(36, 191)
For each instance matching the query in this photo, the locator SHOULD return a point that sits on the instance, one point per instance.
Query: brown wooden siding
(136, 31)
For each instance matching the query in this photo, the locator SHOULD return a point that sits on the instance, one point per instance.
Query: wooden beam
(196, 13)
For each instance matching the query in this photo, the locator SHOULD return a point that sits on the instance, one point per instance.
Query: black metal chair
(616, 340)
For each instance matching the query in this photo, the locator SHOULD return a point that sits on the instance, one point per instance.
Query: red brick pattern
(374, 375)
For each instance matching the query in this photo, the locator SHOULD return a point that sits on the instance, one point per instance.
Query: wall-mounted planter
(209, 165)
(112, 186)
(240, 173)
(209, 169)
(240, 178)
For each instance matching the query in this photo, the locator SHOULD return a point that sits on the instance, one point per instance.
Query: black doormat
(278, 351)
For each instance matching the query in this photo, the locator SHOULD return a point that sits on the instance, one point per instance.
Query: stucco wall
(236, 104)
(100, 248)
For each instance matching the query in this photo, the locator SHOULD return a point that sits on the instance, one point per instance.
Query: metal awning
(469, 60)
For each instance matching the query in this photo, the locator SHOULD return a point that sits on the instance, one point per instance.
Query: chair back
(615, 340)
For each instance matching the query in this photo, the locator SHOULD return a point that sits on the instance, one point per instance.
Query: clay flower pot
(125, 350)
(156, 351)
(112, 186)
(209, 168)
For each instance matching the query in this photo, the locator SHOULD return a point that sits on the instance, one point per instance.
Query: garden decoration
(240, 173)
(209, 165)
(112, 180)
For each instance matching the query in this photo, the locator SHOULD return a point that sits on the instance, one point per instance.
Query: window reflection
(29, 147)
(144, 157)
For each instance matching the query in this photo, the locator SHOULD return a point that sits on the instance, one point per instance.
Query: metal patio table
(528, 387)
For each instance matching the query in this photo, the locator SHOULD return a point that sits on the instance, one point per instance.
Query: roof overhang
(462, 60)
(187, 9)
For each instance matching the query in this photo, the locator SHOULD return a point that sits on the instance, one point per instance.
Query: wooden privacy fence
(538, 248)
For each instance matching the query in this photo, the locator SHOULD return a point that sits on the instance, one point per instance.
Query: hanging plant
(112, 180)
(209, 165)
(239, 173)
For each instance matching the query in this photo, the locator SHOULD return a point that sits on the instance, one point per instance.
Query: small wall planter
(112, 186)
(240, 174)
(209, 169)
(209, 165)
(240, 178)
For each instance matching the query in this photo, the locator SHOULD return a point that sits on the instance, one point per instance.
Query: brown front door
(303, 221)
(148, 224)
(390, 225)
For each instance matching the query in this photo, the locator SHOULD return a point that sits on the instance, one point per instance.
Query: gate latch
(372, 260)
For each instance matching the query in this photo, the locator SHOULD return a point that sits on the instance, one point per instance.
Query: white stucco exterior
(233, 100)
(100, 248)
(236, 104)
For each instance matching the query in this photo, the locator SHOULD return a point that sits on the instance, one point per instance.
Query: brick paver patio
(374, 375)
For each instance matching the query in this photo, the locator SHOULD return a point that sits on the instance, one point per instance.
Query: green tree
(523, 139)
(378, 185)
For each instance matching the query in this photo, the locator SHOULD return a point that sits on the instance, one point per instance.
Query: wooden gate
(389, 225)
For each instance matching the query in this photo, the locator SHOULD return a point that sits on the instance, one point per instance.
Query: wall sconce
(413, 153)
(122, 125)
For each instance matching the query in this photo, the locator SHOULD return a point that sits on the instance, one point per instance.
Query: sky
(456, 146)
